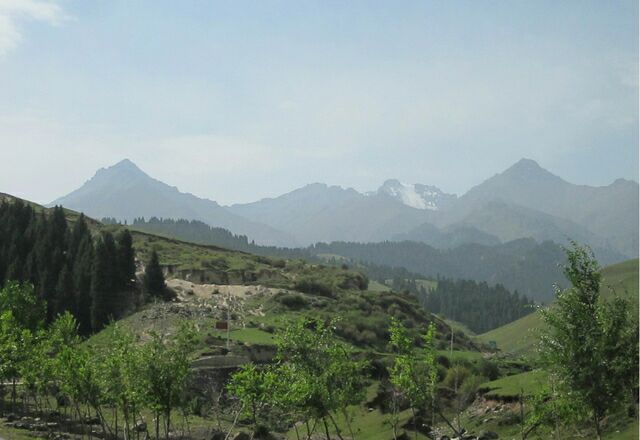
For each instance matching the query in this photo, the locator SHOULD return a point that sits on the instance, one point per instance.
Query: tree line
(193, 231)
(477, 305)
(91, 277)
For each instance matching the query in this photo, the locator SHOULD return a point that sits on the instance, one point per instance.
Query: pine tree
(103, 282)
(82, 276)
(65, 292)
(126, 264)
(154, 284)
(78, 233)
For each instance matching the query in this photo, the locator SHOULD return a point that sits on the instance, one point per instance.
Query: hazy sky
(237, 100)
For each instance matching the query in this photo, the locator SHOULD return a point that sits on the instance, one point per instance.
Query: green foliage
(292, 300)
(257, 389)
(67, 275)
(121, 367)
(25, 306)
(323, 364)
(15, 343)
(165, 372)
(315, 376)
(315, 286)
(414, 376)
(590, 345)
(521, 336)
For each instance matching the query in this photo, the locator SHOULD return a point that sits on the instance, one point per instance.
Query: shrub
(292, 301)
(451, 379)
(489, 369)
(314, 286)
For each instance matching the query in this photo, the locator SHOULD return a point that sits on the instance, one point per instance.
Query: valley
(240, 304)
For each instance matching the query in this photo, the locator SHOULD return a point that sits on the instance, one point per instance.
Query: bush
(314, 286)
(462, 374)
(489, 369)
(292, 301)
(354, 281)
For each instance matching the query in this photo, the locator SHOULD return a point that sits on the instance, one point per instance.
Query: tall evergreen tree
(126, 265)
(82, 276)
(65, 292)
(78, 233)
(154, 284)
(103, 282)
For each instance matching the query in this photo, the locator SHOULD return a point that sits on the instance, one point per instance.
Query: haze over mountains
(124, 191)
(523, 201)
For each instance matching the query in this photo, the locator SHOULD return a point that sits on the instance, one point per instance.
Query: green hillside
(519, 336)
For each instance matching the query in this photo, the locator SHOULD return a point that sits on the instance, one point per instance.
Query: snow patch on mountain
(416, 196)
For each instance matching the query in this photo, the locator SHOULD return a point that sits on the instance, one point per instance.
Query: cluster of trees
(119, 377)
(316, 378)
(477, 305)
(523, 265)
(194, 231)
(93, 278)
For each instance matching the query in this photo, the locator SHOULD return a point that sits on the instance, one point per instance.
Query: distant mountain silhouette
(125, 192)
(524, 201)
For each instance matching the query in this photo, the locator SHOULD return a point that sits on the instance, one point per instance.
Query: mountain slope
(609, 212)
(292, 210)
(520, 336)
(321, 213)
(524, 201)
(523, 265)
(449, 237)
(510, 222)
(125, 192)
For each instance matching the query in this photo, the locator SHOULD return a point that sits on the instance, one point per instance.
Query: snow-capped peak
(417, 196)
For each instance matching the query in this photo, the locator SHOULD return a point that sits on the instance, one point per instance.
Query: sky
(240, 100)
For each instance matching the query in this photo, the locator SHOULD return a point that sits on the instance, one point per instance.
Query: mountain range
(524, 201)
(123, 191)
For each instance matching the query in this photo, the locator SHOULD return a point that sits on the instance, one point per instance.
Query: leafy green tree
(325, 378)
(165, 372)
(121, 369)
(255, 388)
(548, 409)
(413, 375)
(153, 282)
(591, 344)
(79, 375)
(27, 309)
(14, 347)
(38, 370)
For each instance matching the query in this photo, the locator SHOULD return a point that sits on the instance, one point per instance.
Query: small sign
(222, 325)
